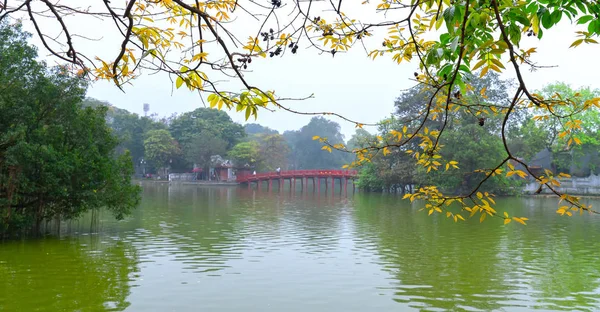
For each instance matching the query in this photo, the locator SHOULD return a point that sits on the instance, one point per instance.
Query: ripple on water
(226, 250)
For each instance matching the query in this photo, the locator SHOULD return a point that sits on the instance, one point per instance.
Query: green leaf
(594, 27)
(523, 20)
(474, 20)
(444, 38)
(532, 8)
(556, 16)
(584, 19)
(514, 34)
(454, 44)
(547, 20)
(179, 82)
(571, 10)
(581, 6)
(464, 68)
(248, 112)
(449, 18)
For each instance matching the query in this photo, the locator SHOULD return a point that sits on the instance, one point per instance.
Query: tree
(57, 158)
(529, 139)
(573, 141)
(160, 147)
(245, 153)
(130, 129)
(186, 126)
(361, 139)
(308, 152)
(273, 151)
(264, 152)
(446, 39)
(201, 147)
(254, 128)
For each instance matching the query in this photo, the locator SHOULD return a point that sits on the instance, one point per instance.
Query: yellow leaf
(482, 217)
(316, 137)
(479, 64)
(535, 23)
(507, 221)
(520, 220)
(484, 71)
(430, 212)
(521, 173)
(474, 211)
(482, 92)
(576, 43)
(479, 195)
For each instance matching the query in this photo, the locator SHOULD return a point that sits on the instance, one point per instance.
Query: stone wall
(182, 176)
(573, 186)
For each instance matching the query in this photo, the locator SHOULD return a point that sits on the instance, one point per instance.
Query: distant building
(146, 109)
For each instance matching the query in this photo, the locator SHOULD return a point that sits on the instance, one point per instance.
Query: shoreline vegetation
(62, 154)
(57, 158)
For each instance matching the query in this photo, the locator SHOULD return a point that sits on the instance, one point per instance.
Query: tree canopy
(304, 148)
(200, 43)
(160, 147)
(57, 159)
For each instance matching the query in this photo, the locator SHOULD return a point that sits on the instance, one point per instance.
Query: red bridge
(304, 176)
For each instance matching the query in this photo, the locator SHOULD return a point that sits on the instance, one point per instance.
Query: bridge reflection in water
(344, 176)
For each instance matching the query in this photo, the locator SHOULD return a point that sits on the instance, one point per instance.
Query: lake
(190, 248)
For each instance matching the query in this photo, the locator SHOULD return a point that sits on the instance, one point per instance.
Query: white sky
(349, 83)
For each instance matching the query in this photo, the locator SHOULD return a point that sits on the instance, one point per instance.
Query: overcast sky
(349, 83)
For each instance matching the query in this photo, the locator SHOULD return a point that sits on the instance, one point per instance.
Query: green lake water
(190, 248)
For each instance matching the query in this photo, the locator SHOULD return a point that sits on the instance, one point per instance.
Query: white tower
(146, 109)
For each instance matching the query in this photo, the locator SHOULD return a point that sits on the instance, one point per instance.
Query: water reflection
(86, 273)
(547, 265)
(229, 249)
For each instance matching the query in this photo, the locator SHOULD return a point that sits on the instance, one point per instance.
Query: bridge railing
(297, 174)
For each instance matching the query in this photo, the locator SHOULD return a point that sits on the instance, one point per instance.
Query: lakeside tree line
(182, 142)
(472, 140)
(62, 154)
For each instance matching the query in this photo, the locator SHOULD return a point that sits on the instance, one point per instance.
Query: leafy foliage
(245, 153)
(449, 40)
(57, 158)
(254, 128)
(187, 126)
(304, 149)
(201, 147)
(160, 147)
